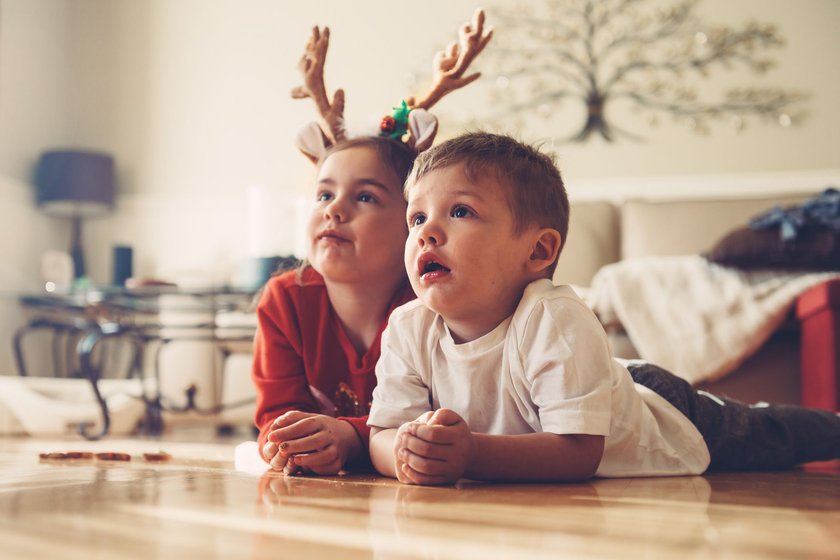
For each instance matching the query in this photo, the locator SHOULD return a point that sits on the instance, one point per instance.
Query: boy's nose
(430, 234)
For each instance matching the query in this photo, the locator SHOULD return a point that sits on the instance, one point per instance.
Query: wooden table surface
(203, 504)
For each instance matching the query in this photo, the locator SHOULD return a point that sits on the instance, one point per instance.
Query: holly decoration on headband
(395, 125)
(411, 122)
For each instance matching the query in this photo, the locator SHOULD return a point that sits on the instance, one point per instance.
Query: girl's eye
(323, 196)
(460, 212)
(417, 220)
(366, 197)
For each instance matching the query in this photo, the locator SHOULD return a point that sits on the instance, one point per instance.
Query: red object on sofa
(818, 311)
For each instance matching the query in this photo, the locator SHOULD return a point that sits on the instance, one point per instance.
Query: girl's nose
(335, 211)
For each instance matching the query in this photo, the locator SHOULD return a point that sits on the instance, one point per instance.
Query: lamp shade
(75, 183)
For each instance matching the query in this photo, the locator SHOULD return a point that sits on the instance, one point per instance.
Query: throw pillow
(814, 248)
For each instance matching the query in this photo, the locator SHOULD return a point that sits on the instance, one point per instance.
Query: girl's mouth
(330, 235)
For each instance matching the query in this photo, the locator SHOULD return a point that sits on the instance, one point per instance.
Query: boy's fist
(435, 449)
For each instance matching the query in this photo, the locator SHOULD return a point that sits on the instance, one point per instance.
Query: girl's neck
(362, 307)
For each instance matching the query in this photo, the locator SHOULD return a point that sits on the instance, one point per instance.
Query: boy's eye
(323, 196)
(366, 197)
(460, 212)
(417, 220)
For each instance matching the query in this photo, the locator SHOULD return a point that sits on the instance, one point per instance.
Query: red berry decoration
(388, 124)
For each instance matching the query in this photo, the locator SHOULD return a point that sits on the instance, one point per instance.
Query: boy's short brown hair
(534, 186)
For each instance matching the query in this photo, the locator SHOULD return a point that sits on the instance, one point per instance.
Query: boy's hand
(302, 441)
(435, 449)
(400, 441)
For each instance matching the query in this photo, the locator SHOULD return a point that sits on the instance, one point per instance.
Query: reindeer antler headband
(411, 122)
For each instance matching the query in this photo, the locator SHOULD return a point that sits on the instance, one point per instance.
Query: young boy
(496, 374)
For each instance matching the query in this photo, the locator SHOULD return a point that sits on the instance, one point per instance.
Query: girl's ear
(544, 250)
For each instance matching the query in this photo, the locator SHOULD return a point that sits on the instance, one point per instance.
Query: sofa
(602, 233)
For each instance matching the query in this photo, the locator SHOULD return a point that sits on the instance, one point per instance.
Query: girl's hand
(270, 453)
(311, 443)
(435, 449)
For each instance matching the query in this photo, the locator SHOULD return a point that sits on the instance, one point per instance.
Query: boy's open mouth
(434, 266)
(429, 265)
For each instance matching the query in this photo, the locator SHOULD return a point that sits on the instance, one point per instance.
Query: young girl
(319, 327)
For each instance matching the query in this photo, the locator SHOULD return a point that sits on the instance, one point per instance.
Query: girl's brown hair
(394, 154)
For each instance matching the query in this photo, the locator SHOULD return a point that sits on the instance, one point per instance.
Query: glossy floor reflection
(199, 506)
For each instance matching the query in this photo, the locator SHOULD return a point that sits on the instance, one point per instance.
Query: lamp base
(76, 248)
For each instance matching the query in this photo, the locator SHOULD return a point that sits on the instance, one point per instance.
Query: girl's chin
(340, 271)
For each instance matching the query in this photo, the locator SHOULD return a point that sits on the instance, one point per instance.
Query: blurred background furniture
(818, 311)
(604, 232)
(167, 338)
(75, 184)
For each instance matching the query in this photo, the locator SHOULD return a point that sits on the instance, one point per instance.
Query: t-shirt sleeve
(569, 368)
(278, 371)
(401, 394)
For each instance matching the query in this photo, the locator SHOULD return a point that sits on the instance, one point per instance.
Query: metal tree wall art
(647, 55)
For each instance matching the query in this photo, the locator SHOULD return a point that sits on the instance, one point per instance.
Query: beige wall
(809, 62)
(191, 96)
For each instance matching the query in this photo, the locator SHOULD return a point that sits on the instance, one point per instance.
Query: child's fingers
(439, 435)
(401, 475)
(423, 465)
(269, 450)
(278, 462)
(323, 463)
(425, 448)
(306, 444)
(445, 417)
(317, 458)
(294, 430)
(415, 477)
(289, 418)
(424, 418)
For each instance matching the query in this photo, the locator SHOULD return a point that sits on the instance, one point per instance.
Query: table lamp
(75, 184)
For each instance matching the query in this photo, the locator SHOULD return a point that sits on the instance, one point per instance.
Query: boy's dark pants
(747, 437)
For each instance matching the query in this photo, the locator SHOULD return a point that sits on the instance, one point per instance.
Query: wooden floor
(203, 504)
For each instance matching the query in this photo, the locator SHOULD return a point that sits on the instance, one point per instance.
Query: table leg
(84, 349)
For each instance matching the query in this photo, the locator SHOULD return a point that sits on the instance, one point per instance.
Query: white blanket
(696, 319)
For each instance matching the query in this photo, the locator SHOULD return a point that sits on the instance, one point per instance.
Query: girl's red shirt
(303, 358)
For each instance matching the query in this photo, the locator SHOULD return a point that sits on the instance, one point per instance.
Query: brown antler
(311, 65)
(451, 64)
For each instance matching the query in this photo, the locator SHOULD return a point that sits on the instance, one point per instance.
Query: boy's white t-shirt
(547, 368)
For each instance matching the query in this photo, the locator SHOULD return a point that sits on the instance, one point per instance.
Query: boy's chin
(432, 301)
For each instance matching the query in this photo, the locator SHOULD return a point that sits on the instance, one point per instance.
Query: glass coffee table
(85, 325)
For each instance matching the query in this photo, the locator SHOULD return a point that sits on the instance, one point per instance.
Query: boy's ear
(545, 249)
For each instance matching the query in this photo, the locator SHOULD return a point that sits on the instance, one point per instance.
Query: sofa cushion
(592, 242)
(684, 227)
